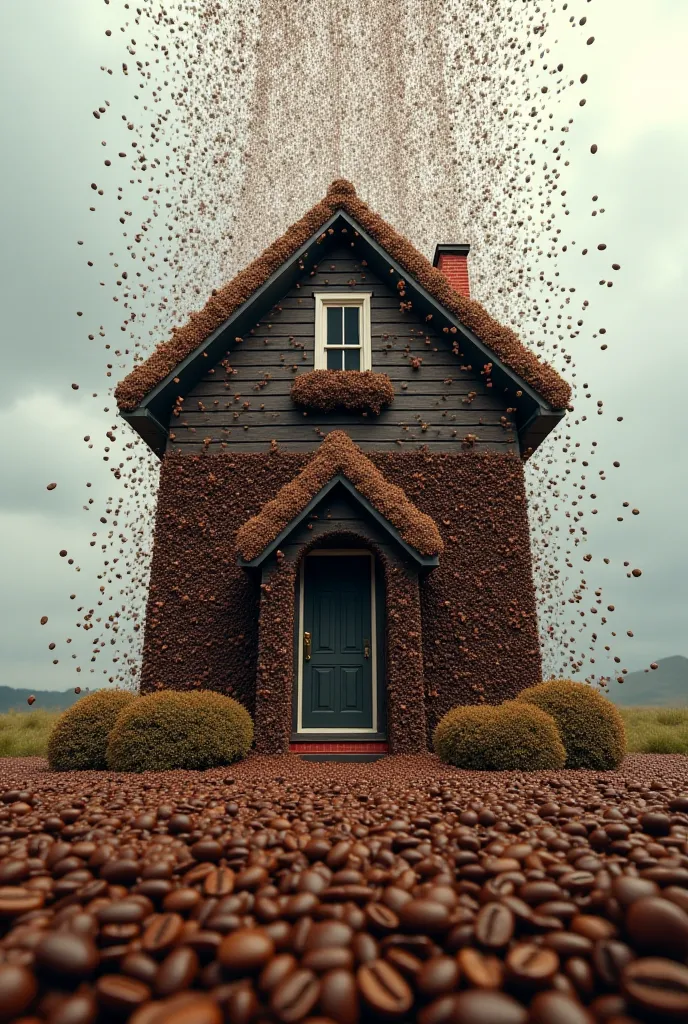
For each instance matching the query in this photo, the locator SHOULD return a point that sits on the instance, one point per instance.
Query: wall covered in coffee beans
(479, 628)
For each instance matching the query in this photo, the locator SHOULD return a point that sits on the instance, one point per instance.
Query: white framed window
(342, 331)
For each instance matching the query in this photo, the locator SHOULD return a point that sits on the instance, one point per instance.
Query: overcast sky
(50, 81)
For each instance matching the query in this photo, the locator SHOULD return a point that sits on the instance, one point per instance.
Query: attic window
(342, 331)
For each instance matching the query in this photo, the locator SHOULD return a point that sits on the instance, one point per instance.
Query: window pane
(334, 325)
(334, 358)
(351, 315)
(352, 359)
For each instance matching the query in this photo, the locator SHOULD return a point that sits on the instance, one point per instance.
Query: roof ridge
(339, 454)
(341, 194)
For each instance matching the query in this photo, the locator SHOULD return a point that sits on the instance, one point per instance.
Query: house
(341, 540)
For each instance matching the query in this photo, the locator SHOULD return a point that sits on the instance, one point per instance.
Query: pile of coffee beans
(279, 891)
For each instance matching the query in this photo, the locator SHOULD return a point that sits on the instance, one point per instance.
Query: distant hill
(665, 686)
(12, 699)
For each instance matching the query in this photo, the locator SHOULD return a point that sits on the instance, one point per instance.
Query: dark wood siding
(244, 401)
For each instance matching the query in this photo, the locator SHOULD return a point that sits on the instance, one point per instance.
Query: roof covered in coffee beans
(341, 195)
(339, 454)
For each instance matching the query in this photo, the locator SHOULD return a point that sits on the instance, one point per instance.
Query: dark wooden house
(341, 540)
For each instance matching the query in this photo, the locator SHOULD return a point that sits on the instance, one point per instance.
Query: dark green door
(338, 677)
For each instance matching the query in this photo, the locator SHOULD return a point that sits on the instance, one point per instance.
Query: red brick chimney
(452, 261)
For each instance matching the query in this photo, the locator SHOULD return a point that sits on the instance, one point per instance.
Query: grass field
(650, 731)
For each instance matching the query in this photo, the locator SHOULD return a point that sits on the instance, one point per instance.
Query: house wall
(479, 632)
(243, 402)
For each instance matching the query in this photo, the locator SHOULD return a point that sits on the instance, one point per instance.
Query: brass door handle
(306, 646)
(366, 648)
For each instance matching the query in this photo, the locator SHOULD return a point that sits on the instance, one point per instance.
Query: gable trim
(422, 561)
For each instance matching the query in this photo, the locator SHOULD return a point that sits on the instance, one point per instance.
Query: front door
(337, 654)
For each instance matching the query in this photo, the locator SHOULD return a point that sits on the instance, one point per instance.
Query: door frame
(340, 553)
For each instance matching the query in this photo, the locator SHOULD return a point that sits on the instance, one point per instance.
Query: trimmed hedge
(172, 729)
(591, 727)
(511, 736)
(79, 738)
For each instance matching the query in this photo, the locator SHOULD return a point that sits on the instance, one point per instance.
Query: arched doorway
(340, 656)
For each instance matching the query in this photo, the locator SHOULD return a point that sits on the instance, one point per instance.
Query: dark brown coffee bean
(140, 966)
(219, 882)
(658, 926)
(474, 1007)
(245, 951)
(328, 933)
(67, 956)
(494, 926)
(186, 1008)
(328, 959)
(181, 901)
(121, 995)
(381, 920)
(162, 933)
(18, 989)
(384, 990)
(79, 1008)
(657, 986)
(480, 971)
(593, 928)
(531, 966)
(425, 917)
(338, 997)
(295, 996)
(437, 976)
(15, 900)
(406, 963)
(176, 972)
(276, 970)
(628, 889)
(364, 947)
(555, 1008)
(609, 958)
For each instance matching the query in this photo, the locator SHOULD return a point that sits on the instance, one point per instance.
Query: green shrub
(175, 729)
(590, 726)
(510, 736)
(664, 743)
(79, 737)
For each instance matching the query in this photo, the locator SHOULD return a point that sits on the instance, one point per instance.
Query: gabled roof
(339, 461)
(147, 394)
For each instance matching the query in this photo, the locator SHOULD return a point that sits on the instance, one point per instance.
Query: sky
(51, 81)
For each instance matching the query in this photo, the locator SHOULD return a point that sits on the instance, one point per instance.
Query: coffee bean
(67, 956)
(338, 998)
(475, 1007)
(328, 933)
(657, 986)
(658, 926)
(18, 989)
(121, 995)
(176, 972)
(15, 901)
(531, 966)
(480, 971)
(79, 1008)
(187, 1008)
(384, 990)
(494, 926)
(555, 1008)
(381, 919)
(162, 933)
(139, 965)
(245, 951)
(437, 976)
(424, 917)
(295, 996)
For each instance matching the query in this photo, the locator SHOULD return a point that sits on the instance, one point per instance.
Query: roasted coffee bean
(139, 965)
(276, 970)
(384, 989)
(338, 998)
(474, 1007)
(121, 995)
(66, 955)
(657, 986)
(162, 933)
(176, 972)
(245, 951)
(15, 901)
(18, 989)
(494, 926)
(425, 917)
(531, 966)
(437, 976)
(658, 926)
(381, 919)
(555, 1008)
(328, 933)
(327, 959)
(295, 996)
(479, 970)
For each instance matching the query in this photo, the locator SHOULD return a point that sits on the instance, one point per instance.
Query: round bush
(79, 738)
(172, 729)
(504, 737)
(591, 728)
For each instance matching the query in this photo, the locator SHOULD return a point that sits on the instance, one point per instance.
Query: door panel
(337, 680)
